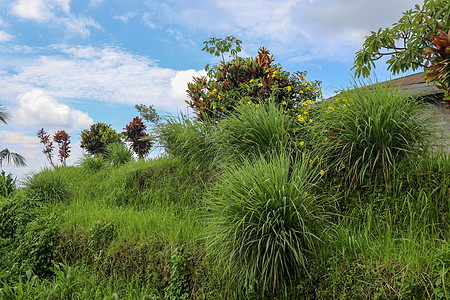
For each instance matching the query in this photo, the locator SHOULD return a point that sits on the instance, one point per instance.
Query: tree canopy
(404, 42)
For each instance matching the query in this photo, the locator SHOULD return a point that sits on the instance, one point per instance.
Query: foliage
(265, 221)
(405, 40)
(95, 139)
(368, 129)
(62, 138)
(118, 154)
(191, 141)
(93, 163)
(250, 80)
(219, 47)
(36, 245)
(15, 213)
(179, 287)
(439, 71)
(254, 129)
(135, 133)
(47, 186)
(44, 138)
(148, 113)
(7, 184)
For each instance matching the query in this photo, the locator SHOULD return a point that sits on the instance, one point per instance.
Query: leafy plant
(265, 221)
(44, 138)
(250, 80)
(439, 71)
(148, 113)
(7, 184)
(140, 140)
(369, 128)
(405, 40)
(179, 287)
(95, 139)
(62, 138)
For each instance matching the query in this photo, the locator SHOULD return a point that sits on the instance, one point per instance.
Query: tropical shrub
(369, 128)
(265, 221)
(250, 80)
(95, 139)
(140, 140)
(62, 138)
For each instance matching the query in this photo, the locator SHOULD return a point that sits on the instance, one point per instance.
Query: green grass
(233, 211)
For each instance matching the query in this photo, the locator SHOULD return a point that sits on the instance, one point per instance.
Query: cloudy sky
(67, 64)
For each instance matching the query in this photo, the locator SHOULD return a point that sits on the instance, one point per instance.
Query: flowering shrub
(249, 80)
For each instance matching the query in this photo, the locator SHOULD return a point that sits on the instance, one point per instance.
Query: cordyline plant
(247, 81)
(439, 71)
(62, 138)
(96, 139)
(140, 140)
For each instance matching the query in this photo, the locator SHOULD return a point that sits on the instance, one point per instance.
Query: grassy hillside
(350, 205)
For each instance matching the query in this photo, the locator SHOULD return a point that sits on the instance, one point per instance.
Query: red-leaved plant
(140, 140)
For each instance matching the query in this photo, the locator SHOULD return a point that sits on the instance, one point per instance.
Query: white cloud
(39, 109)
(104, 74)
(178, 83)
(126, 17)
(11, 137)
(56, 12)
(4, 36)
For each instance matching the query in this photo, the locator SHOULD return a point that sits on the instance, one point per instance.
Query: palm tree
(5, 154)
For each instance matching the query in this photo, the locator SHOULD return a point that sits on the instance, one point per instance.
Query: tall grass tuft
(254, 129)
(265, 220)
(91, 163)
(119, 154)
(48, 186)
(369, 128)
(189, 140)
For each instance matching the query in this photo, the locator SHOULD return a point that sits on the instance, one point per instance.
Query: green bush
(118, 154)
(14, 214)
(7, 184)
(98, 137)
(48, 186)
(254, 129)
(368, 129)
(92, 164)
(189, 140)
(265, 220)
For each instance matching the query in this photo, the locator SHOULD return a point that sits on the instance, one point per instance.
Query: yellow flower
(301, 92)
(294, 130)
(221, 107)
(288, 88)
(310, 120)
(326, 139)
(214, 91)
(309, 102)
(303, 83)
(214, 107)
(260, 84)
(305, 112)
(315, 90)
(307, 88)
(322, 172)
(251, 80)
(219, 97)
(283, 103)
(309, 82)
(302, 143)
(257, 105)
(249, 102)
(310, 161)
(300, 118)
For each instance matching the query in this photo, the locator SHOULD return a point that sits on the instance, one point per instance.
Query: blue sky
(67, 64)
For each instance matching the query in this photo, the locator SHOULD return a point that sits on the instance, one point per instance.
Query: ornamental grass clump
(368, 129)
(265, 221)
(254, 129)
